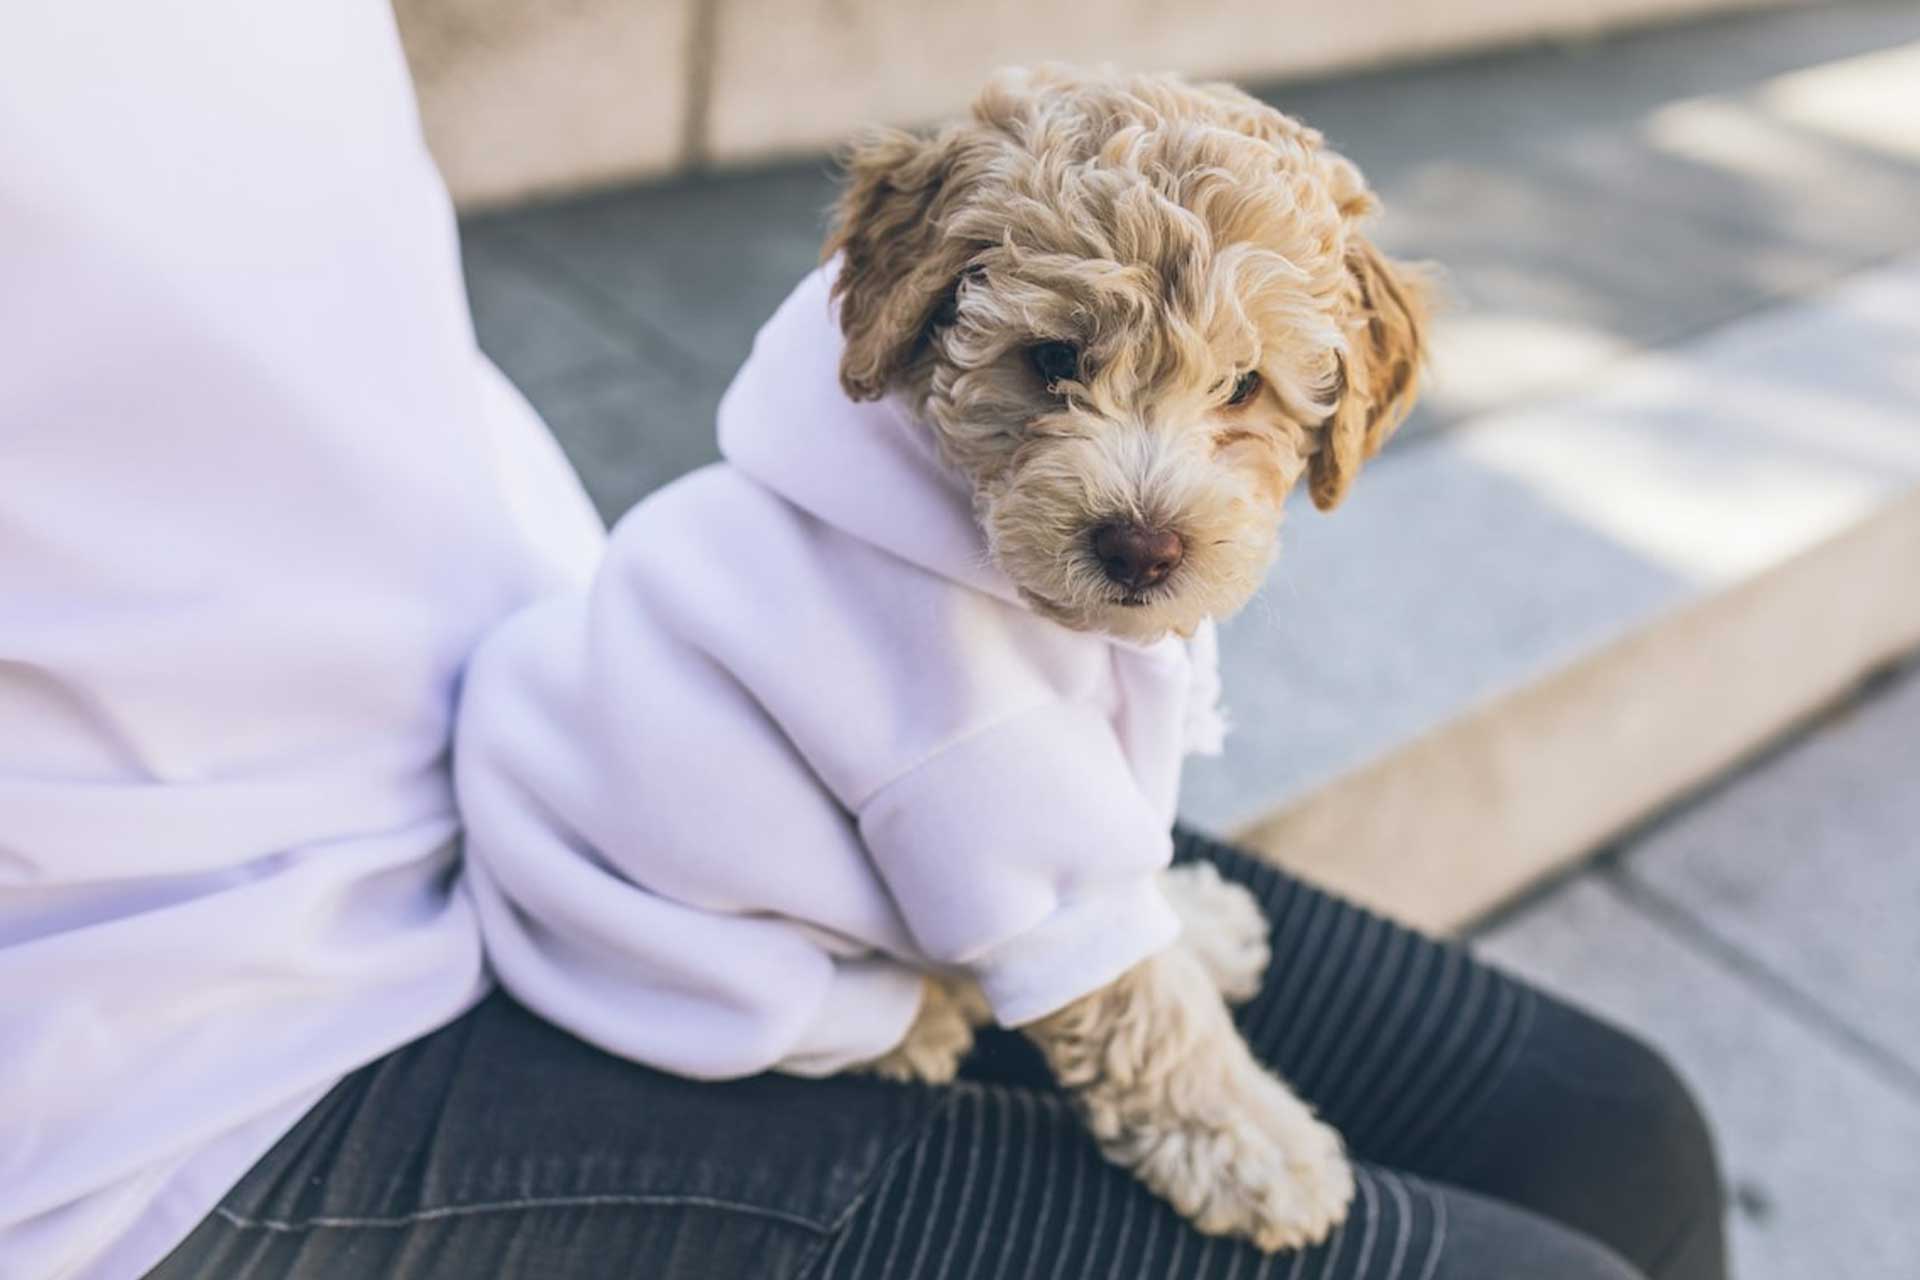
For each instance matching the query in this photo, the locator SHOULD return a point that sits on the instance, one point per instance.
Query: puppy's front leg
(941, 1035)
(1171, 1092)
(1222, 924)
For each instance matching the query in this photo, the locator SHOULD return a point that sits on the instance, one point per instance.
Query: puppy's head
(1133, 312)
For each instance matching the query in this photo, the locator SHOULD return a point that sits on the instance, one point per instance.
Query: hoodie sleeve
(632, 838)
(707, 995)
(1024, 854)
(971, 741)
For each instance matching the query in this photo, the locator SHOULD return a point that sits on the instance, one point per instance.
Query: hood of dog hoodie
(800, 741)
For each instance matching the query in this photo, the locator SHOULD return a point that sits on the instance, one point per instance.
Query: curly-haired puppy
(1133, 312)
(874, 729)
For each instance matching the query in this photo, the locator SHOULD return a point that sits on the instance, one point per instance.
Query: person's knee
(1644, 1126)
(1485, 1240)
(1601, 1133)
(1663, 1164)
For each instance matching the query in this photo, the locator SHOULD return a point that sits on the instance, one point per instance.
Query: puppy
(1133, 313)
(873, 730)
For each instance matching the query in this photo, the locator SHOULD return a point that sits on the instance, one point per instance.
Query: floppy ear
(896, 265)
(1386, 310)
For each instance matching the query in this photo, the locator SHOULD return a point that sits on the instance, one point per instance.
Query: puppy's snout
(1136, 556)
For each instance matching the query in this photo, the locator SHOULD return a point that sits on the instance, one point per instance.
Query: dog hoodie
(798, 742)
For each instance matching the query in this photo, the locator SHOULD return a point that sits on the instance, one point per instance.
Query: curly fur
(1178, 237)
(1166, 1086)
(941, 1035)
(1170, 1091)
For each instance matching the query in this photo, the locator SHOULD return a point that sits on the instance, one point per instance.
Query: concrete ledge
(521, 98)
(1460, 820)
(1741, 520)
(799, 76)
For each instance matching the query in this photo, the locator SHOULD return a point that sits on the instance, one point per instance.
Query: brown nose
(1135, 556)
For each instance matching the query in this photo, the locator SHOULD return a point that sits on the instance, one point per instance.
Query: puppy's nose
(1135, 556)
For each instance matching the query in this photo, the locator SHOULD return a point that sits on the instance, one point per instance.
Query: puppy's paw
(1222, 925)
(1265, 1170)
(939, 1039)
(1170, 1091)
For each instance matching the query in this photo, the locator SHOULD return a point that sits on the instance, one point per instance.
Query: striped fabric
(1005, 1184)
(1500, 1134)
(1395, 1038)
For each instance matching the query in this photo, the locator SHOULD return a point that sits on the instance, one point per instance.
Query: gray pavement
(1567, 191)
(1765, 936)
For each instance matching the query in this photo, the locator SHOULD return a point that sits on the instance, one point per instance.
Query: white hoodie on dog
(800, 740)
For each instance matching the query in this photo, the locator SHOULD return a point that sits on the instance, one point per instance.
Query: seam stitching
(960, 739)
(880, 1175)
(515, 1205)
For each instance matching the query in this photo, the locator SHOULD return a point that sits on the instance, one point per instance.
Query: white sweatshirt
(800, 741)
(259, 497)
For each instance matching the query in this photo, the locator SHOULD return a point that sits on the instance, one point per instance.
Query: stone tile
(698, 264)
(1810, 862)
(1590, 200)
(531, 326)
(1494, 101)
(1741, 163)
(1825, 1153)
(629, 431)
(1551, 275)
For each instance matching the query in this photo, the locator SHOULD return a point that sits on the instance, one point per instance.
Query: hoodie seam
(933, 753)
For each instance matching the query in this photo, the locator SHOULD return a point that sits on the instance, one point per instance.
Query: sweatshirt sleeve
(575, 819)
(1025, 854)
(681, 989)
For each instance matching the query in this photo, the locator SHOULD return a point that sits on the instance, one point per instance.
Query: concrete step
(1529, 632)
(520, 98)
(1762, 935)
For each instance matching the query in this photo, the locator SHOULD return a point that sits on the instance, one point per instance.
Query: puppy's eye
(1245, 387)
(1055, 362)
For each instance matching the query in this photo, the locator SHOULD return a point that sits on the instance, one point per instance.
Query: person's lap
(1478, 1109)
(1432, 1063)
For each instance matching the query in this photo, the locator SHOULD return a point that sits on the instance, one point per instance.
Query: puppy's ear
(896, 266)
(1386, 308)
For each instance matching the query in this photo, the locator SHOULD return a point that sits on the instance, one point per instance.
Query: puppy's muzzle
(1136, 556)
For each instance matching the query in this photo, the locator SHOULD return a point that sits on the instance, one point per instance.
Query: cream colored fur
(1232, 331)
(1221, 925)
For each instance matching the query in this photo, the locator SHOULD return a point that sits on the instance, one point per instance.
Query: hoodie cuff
(868, 1007)
(1074, 952)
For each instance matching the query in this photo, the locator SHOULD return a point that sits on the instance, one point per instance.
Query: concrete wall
(528, 97)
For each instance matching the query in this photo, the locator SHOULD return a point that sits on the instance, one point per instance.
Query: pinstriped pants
(1501, 1136)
